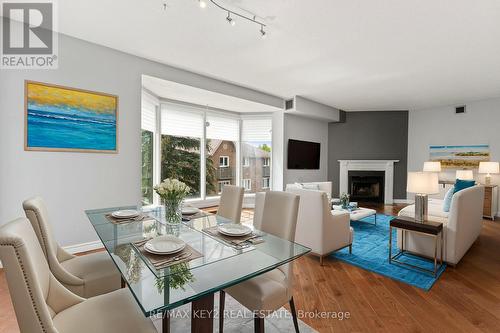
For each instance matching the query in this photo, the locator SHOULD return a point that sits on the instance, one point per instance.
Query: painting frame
(460, 157)
(77, 150)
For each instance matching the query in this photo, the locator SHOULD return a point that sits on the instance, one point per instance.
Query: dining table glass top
(221, 265)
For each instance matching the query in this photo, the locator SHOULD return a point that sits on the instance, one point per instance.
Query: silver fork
(176, 258)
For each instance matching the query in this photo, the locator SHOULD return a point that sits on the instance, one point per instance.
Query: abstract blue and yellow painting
(67, 119)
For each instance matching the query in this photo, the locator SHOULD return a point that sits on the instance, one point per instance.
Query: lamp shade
(465, 175)
(432, 166)
(489, 167)
(422, 183)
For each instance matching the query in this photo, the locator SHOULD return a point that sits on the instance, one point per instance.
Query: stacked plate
(166, 244)
(189, 210)
(234, 230)
(125, 214)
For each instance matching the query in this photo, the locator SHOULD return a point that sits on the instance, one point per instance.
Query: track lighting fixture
(262, 32)
(230, 20)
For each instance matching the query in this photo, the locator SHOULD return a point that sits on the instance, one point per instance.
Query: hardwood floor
(465, 299)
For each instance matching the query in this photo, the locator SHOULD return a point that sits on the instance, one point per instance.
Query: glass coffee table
(356, 214)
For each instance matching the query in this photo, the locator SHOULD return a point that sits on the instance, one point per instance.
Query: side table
(429, 228)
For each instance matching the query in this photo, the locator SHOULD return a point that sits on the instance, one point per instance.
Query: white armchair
(320, 228)
(461, 225)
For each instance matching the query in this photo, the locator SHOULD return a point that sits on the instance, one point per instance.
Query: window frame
(268, 183)
(222, 182)
(243, 183)
(266, 162)
(246, 162)
(222, 158)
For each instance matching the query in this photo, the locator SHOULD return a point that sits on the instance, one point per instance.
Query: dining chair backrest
(260, 198)
(36, 294)
(279, 216)
(231, 201)
(36, 212)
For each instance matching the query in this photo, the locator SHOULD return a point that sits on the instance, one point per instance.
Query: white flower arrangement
(172, 190)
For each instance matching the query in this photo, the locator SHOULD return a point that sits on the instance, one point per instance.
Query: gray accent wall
(370, 135)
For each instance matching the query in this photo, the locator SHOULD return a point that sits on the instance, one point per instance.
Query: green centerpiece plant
(344, 200)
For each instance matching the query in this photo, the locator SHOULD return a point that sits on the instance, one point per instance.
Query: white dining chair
(231, 201)
(89, 275)
(268, 292)
(43, 304)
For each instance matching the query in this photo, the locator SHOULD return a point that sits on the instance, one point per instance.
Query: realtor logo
(28, 37)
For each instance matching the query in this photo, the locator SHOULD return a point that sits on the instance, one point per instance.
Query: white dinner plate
(166, 244)
(234, 229)
(189, 210)
(125, 214)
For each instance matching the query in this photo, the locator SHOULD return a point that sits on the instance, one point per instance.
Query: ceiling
(193, 95)
(354, 55)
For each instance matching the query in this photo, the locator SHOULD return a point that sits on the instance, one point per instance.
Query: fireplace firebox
(366, 186)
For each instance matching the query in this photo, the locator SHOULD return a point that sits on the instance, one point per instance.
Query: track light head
(263, 34)
(229, 19)
(202, 3)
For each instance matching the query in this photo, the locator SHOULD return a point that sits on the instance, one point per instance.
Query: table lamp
(488, 168)
(464, 175)
(422, 184)
(432, 166)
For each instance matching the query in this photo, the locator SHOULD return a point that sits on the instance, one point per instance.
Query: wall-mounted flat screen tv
(303, 154)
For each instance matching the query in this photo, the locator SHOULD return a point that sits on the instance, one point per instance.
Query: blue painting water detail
(70, 129)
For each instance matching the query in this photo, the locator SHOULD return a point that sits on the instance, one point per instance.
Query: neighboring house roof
(246, 149)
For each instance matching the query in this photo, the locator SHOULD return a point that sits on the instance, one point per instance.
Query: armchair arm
(336, 231)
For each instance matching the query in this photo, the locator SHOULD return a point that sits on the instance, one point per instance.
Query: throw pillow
(461, 184)
(447, 199)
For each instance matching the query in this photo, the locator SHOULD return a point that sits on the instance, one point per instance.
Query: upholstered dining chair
(231, 201)
(43, 304)
(89, 275)
(268, 292)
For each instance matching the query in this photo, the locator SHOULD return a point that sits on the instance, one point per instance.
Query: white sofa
(462, 225)
(319, 186)
(318, 227)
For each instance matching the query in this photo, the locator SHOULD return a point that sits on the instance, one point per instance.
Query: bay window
(181, 145)
(203, 148)
(256, 143)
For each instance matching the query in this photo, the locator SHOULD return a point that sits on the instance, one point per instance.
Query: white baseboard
(84, 247)
(402, 201)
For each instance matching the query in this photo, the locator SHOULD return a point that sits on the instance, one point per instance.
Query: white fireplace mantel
(369, 165)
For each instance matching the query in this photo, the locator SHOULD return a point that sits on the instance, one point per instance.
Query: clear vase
(173, 212)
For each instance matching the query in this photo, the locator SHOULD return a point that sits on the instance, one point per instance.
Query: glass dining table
(221, 264)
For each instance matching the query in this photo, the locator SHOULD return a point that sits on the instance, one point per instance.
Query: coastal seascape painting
(460, 157)
(67, 119)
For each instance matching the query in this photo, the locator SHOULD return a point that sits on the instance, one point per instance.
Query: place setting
(126, 216)
(189, 213)
(235, 234)
(166, 250)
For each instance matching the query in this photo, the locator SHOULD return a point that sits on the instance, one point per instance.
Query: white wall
(278, 150)
(73, 182)
(306, 129)
(441, 126)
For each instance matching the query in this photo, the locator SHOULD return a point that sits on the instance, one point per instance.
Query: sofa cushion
(461, 184)
(435, 212)
(447, 199)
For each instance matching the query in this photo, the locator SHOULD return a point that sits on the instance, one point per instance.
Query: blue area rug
(370, 251)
